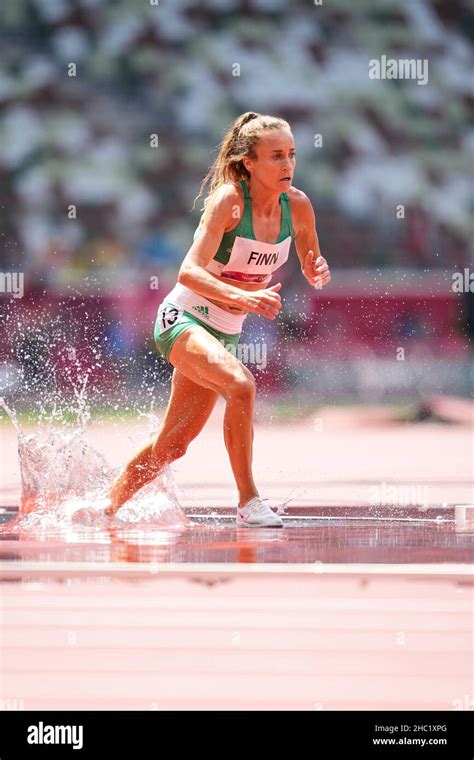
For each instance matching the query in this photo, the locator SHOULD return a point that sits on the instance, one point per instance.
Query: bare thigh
(203, 359)
(189, 407)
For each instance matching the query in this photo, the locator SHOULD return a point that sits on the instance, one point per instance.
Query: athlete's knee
(241, 386)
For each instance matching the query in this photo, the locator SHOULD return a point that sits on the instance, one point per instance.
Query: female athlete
(251, 215)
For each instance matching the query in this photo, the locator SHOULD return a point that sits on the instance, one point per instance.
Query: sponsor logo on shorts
(204, 310)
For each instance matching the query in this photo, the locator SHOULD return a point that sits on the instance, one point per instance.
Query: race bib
(253, 261)
(168, 315)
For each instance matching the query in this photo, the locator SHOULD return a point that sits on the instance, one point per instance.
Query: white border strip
(18, 569)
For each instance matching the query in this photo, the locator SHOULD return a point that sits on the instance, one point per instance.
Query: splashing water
(65, 481)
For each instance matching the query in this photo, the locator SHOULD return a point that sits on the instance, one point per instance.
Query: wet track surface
(356, 535)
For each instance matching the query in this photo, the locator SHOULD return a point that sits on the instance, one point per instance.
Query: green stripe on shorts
(165, 340)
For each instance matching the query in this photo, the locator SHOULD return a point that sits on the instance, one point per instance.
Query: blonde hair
(239, 141)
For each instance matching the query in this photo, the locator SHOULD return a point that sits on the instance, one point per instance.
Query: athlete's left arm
(313, 265)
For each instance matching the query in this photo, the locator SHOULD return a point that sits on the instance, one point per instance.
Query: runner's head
(254, 145)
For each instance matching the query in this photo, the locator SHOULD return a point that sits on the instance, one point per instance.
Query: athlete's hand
(266, 302)
(316, 270)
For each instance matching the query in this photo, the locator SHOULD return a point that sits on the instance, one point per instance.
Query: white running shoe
(255, 514)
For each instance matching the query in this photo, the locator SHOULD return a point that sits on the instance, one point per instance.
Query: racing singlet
(242, 257)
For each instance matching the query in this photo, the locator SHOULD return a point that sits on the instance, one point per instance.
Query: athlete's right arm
(193, 273)
(217, 216)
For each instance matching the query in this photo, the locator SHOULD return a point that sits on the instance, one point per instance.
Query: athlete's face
(274, 165)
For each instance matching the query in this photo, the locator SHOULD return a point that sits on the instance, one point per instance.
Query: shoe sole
(244, 524)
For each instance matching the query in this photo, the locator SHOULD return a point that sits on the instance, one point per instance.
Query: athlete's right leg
(188, 410)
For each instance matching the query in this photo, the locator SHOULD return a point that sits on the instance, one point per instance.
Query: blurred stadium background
(85, 141)
(364, 602)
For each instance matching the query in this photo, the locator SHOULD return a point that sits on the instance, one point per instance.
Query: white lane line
(10, 569)
(306, 518)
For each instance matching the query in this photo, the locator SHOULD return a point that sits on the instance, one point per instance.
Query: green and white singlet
(240, 257)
